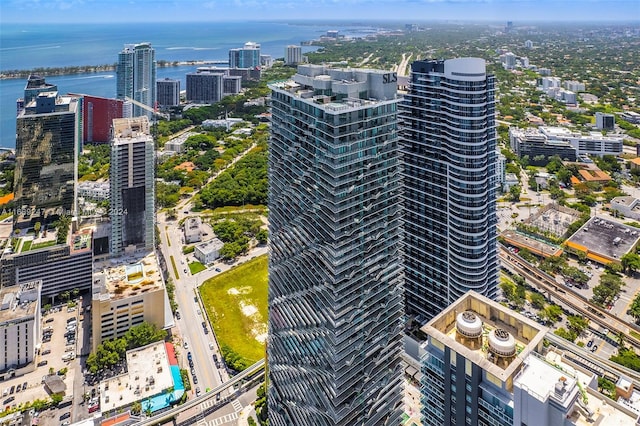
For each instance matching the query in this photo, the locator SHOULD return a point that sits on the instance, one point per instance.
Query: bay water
(29, 46)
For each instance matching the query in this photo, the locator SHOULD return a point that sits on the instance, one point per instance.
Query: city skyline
(59, 11)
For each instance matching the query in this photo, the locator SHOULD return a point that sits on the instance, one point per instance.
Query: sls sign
(390, 77)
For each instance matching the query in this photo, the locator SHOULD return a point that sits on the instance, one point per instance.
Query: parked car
(46, 352)
(177, 315)
(594, 348)
(198, 391)
(186, 345)
(49, 320)
(195, 380)
(189, 356)
(590, 343)
(218, 270)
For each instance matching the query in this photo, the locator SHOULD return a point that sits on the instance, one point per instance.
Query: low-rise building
(627, 206)
(208, 251)
(631, 117)
(19, 328)
(605, 121)
(538, 147)
(604, 241)
(60, 267)
(152, 377)
(592, 143)
(96, 191)
(127, 291)
(192, 230)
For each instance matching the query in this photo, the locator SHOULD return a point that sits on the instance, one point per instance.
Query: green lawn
(26, 245)
(41, 245)
(196, 267)
(236, 303)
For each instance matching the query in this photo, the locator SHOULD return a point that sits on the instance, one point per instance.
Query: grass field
(236, 302)
(196, 267)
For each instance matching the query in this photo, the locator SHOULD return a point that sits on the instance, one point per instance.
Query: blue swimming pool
(164, 400)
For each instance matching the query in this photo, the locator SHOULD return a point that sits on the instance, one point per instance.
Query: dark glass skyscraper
(335, 273)
(449, 150)
(47, 137)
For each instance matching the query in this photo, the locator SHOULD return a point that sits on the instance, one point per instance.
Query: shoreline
(88, 69)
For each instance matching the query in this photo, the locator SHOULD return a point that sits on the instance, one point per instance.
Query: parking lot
(49, 358)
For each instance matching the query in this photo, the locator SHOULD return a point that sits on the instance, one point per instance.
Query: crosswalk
(219, 420)
(237, 406)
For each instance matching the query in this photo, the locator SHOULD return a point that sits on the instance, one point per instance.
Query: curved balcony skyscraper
(449, 184)
(335, 273)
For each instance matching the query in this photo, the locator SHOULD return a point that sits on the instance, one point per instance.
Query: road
(568, 297)
(190, 331)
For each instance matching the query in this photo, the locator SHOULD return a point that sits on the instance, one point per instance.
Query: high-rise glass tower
(335, 273)
(136, 76)
(48, 131)
(245, 57)
(131, 179)
(449, 183)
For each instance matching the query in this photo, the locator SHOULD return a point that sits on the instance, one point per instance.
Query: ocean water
(25, 47)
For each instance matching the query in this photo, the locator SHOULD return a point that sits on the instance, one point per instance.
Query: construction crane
(147, 108)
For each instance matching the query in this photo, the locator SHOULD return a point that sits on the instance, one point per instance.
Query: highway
(567, 296)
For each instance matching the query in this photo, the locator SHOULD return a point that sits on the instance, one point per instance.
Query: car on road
(65, 415)
(177, 315)
(186, 345)
(594, 348)
(211, 345)
(198, 391)
(13, 388)
(195, 380)
(24, 385)
(195, 299)
(204, 324)
(218, 270)
(590, 343)
(49, 320)
(10, 399)
(43, 363)
(206, 331)
(185, 271)
(189, 356)
(199, 312)
(46, 352)
(18, 388)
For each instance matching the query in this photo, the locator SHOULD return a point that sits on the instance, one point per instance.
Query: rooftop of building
(148, 374)
(340, 89)
(563, 132)
(81, 240)
(127, 129)
(550, 377)
(212, 245)
(19, 301)
(487, 333)
(126, 276)
(193, 222)
(606, 238)
(594, 175)
(627, 201)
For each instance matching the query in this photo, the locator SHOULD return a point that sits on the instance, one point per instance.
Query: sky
(59, 11)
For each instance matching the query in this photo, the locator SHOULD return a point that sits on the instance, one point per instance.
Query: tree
(634, 309)
(262, 236)
(577, 324)
(56, 398)
(551, 313)
(514, 193)
(36, 227)
(136, 408)
(65, 295)
(630, 262)
(606, 387)
(537, 300)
